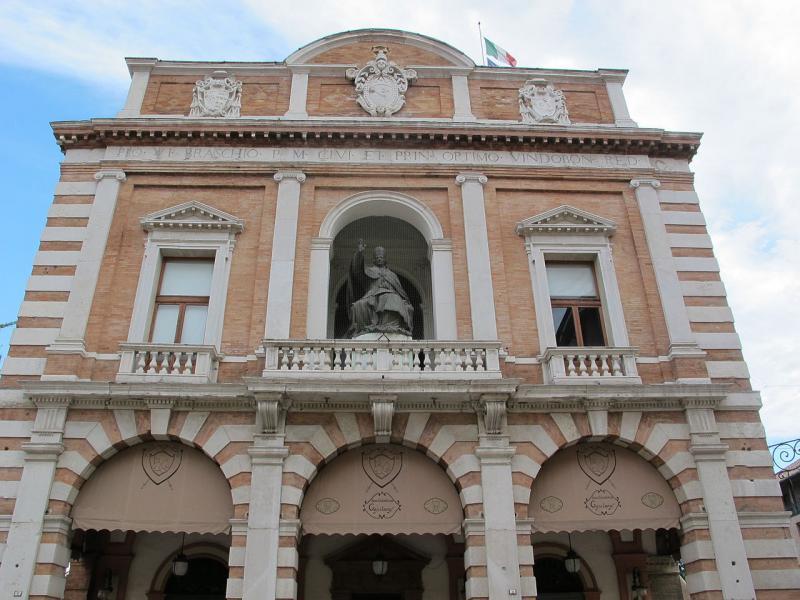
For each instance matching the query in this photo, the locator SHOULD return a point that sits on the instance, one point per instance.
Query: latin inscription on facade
(460, 158)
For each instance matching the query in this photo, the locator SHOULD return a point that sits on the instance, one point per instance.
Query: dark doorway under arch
(554, 582)
(205, 580)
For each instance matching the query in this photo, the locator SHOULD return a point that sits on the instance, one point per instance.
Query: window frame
(181, 301)
(189, 230)
(575, 303)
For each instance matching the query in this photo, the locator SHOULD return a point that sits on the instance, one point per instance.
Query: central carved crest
(161, 462)
(217, 95)
(597, 462)
(382, 465)
(381, 84)
(540, 102)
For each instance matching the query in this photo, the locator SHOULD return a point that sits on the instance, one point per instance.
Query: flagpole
(480, 34)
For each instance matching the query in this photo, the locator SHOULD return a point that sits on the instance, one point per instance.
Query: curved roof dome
(446, 52)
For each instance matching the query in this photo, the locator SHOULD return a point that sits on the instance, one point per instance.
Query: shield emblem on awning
(597, 462)
(161, 462)
(382, 465)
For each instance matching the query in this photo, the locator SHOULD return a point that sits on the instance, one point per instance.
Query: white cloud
(728, 69)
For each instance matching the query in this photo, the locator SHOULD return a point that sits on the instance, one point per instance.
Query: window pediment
(192, 215)
(566, 219)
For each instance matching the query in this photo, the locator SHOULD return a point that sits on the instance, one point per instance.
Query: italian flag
(497, 57)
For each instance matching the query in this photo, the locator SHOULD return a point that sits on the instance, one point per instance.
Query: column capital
(260, 455)
(708, 452)
(637, 183)
(321, 243)
(495, 456)
(471, 177)
(441, 244)
(43, 451)
(117, 174)
(289, 175)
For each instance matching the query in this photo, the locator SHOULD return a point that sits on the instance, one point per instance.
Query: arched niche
(322, 288)
(381, 489)
(407, 256)
(601, 487)
(155, 487)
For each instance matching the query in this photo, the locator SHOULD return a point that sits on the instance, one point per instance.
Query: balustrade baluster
(582, 371)
(428, 356)
(616, 368)
(480, 359)
(604, 365)
(140, 361)
(570, 359)
(188, 366)
(348, 359)
(593, 365)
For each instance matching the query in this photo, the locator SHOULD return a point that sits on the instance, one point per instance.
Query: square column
(500, 524)
(319, 274)
(443, 289)
(479, 268)
(284, 240)
(140, 69)
(23, 548)
(87, 272)
(261, 551)
(616, 97)
(462, 107)
(730, 554)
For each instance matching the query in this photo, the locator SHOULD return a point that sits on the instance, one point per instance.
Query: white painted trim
(57, 258)
(703, 288)
(133, 102)
(70, 210)
(677, 217)
(76, 188)
(689, 240)
(14, 365)
(710, 314)
(719, 341)
(49, 283)
(64, 234)
(678, 197)
(622, 118)
(318, 281)
(693, 263)
(31, 308)
(33, 336)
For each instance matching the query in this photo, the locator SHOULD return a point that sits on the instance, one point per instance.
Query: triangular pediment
(566, 219)
(192, 215)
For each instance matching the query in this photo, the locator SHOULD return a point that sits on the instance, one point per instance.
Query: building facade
(219, 388)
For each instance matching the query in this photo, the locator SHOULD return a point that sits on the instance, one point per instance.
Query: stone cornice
(355, 395)
(268, 131)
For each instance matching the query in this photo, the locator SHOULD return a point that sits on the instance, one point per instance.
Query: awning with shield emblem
(156, 486)
(601, 487)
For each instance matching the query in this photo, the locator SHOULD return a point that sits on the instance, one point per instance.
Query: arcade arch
(381, 503)
(140, 509)
(437, 286)
(616, 512)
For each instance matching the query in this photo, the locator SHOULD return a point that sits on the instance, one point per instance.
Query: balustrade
(582, 365)
(167, 362)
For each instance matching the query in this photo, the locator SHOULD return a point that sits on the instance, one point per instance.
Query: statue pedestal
(377, 335)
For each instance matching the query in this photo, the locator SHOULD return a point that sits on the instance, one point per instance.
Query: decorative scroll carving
(493, 410)
(217, 95)
(270, 414)
(382, 413)
(381, 84)
(540, 102)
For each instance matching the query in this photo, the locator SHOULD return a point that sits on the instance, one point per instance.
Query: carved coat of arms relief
(540, 102)
(381, 84)
(217, 95)
(161, 462)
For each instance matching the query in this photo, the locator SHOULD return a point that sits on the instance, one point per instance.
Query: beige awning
(156, 486)
(601, 487)
(381, 489)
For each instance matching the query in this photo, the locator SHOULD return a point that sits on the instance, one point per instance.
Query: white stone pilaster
(682, 340)
(443, 288)
(462, 106)
(319, 273)
(298, 95)
(479, 269)
(284, 240)
(723, 520)
(263, 522)
(616, 96)
(76, 316)
(140, 69)
(502, 555)
(33, 493)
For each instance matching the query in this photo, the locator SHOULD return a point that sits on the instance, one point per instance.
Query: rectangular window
(182, 301)
(575, 303)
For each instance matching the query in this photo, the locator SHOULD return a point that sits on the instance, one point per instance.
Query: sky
(728, 69)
